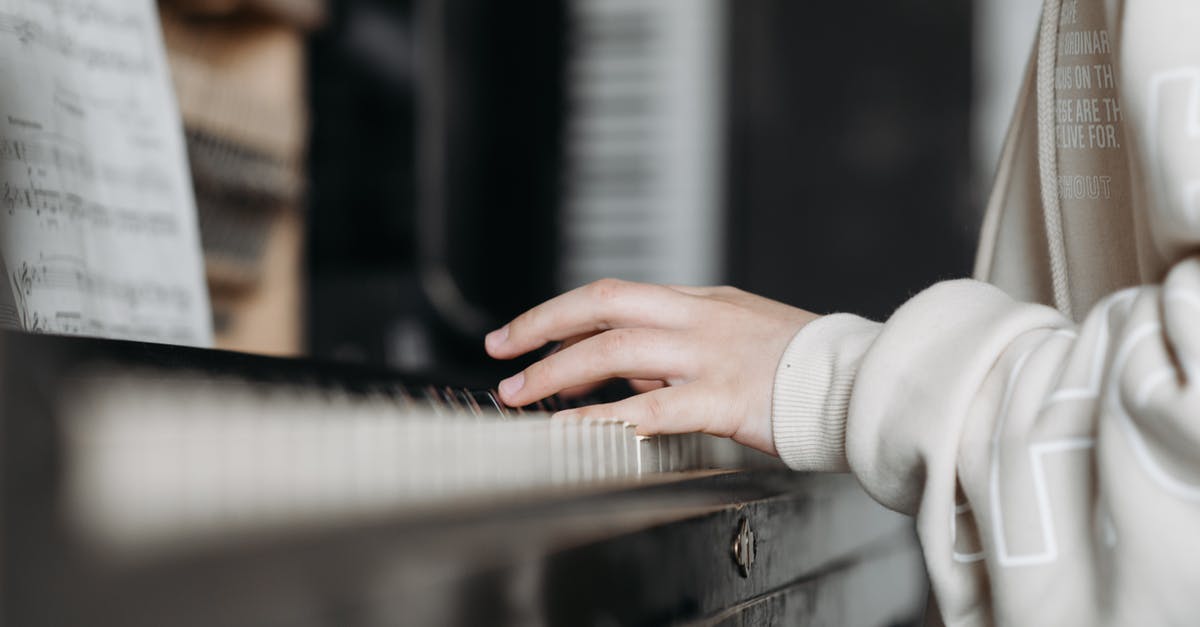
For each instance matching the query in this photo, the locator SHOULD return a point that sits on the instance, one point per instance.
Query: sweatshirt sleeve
(1054, 468)
(812, 391)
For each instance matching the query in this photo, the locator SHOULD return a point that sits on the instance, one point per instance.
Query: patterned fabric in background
(238, 68)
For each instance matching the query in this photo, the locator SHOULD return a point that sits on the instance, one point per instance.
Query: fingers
(623, 353)
(646, 385)
(722, 292)
(573, 340)
(638, 385)
(580, 390)
(693, 290)
(606, 304)
(682, 409)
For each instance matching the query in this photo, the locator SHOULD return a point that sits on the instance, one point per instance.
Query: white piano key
(156, 458)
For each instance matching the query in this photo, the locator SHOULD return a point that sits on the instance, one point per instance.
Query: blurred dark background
(470, 158)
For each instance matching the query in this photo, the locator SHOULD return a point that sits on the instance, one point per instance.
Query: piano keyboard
(160, 460)
(149, 485)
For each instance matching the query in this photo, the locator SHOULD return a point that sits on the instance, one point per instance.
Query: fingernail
(496, 338)
(512, 385)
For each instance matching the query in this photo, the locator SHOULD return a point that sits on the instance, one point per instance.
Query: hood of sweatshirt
(1097, 188)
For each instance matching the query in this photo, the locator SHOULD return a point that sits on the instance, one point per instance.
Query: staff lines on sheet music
(52, 204)
(72, 322)
(124, 108)
(31, 32)
(92, 12)
(71, 161)
(78, 277)
(9, 315)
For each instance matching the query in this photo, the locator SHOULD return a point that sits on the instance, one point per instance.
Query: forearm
(1024, 445)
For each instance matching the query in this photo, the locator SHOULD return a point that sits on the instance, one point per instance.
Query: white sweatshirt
(1051, 454)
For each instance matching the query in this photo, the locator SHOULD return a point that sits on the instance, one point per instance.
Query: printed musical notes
(99, 18)
(98, 228)
(72, 276)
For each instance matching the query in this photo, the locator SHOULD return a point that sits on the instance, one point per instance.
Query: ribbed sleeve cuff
(812, 391)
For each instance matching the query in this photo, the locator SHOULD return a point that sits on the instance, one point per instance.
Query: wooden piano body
(689, 545)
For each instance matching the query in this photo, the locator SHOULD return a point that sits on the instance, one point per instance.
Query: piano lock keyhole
(743, 547)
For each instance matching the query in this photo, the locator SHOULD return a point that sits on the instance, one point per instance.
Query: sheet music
(98, 229)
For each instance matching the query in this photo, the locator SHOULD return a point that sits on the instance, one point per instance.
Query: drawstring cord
(1047, 59)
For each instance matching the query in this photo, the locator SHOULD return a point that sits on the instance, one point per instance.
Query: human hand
(703, 357)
